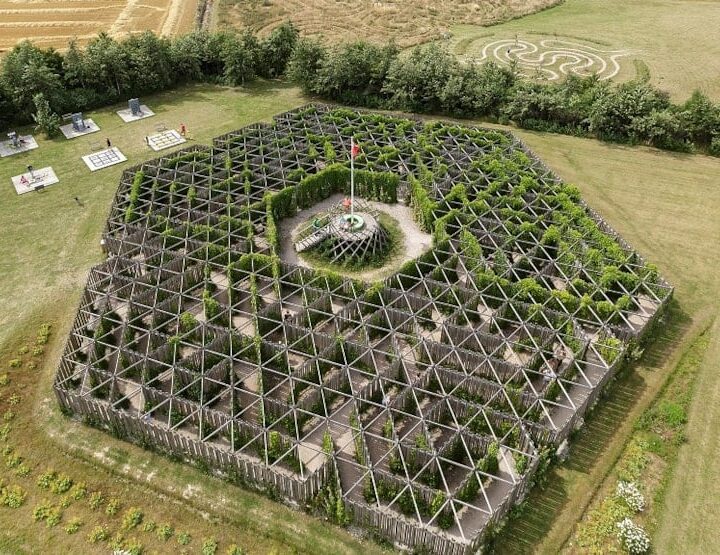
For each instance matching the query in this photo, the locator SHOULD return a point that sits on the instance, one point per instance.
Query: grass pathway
(691, 515)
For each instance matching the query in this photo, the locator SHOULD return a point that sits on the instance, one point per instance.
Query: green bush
(209, 547)
(61, 484)
(610, 349)
(132, 518)
(187, 322)
(73, 526)
(96, 500)
(46, 479)
(98, 534)
(423, 206)
(165, 532)
(113, 507)
(210, 306)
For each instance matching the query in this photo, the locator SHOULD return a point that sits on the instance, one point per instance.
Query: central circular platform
(346, 239)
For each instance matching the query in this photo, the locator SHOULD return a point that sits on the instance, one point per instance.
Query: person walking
(107, 141)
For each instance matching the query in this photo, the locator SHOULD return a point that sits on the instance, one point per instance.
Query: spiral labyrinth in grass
(553, 59)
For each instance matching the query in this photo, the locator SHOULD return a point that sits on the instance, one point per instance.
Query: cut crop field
(407, 22)
(674, 43)
(55, 22)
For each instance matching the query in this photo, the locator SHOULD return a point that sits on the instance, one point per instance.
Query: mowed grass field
(664, 204)
(690, 517)
(677, 40)
(407, 22)
(55, 22)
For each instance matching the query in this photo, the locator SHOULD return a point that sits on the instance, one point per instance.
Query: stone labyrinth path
(553, 59)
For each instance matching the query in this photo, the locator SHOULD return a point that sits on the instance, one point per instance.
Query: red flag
(354, 151)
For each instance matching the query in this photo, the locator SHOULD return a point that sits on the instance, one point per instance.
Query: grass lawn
(665, 205)
(690, 516)
(675, 39)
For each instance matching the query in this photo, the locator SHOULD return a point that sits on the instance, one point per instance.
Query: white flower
(633, 537)
(629, 492)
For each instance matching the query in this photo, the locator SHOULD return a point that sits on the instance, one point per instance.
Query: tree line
(36, 82)
(107, 71)
(429, 79)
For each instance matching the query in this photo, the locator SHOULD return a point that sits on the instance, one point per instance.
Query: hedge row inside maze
(420, 406)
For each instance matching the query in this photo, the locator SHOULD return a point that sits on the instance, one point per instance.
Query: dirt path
(415, 241)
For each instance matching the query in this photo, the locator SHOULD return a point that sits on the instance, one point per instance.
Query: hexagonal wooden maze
(425, 401)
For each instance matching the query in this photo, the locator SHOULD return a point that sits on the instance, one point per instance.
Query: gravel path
(416, 241)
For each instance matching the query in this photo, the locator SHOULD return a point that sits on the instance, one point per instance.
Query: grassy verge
(687, 512)
(647, 460)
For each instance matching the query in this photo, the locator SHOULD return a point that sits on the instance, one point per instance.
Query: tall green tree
(48, 122)
(239, 58)
(305, 63)
(662, 129)
(107, 65)
(149, 63)
(701, 118)
(276, 49)
(416, 82)
(74, 67)
(612, 113)
(26, 71)
(474, 91)
(354, 69)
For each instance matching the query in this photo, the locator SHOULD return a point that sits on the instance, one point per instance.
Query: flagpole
(352, 179)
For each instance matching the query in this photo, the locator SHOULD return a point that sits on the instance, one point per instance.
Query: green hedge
(134, 195)
(423, 206)
(319, 186)
(272, 232)
(282, 203)
(335, 178)
(379, 186)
